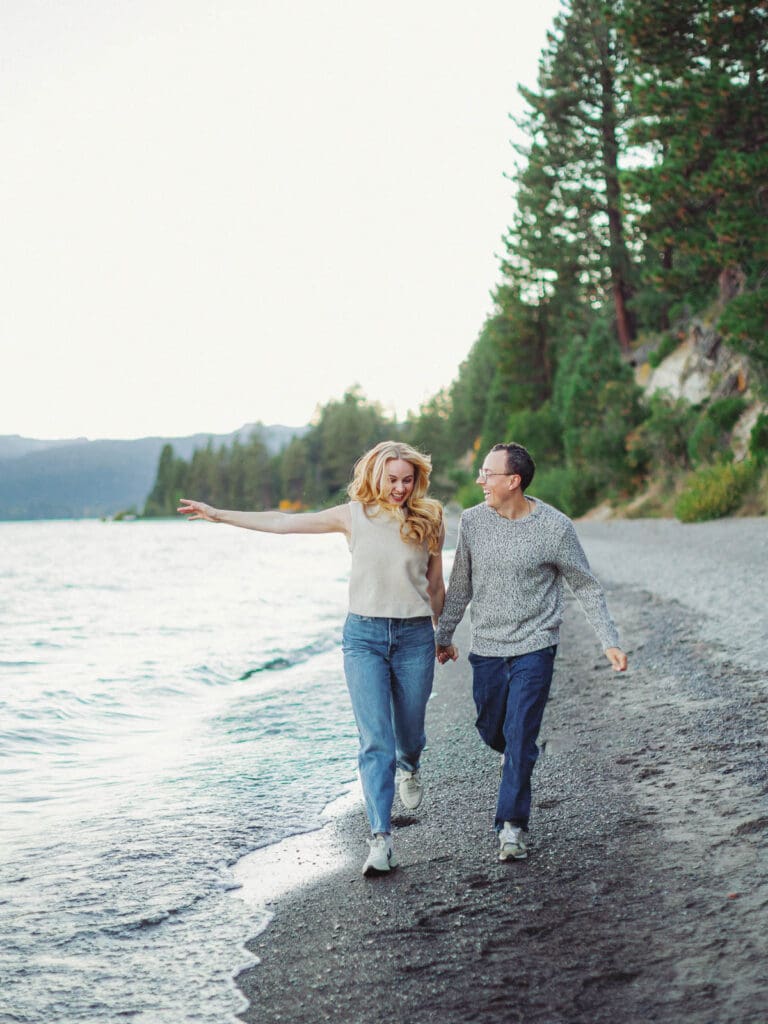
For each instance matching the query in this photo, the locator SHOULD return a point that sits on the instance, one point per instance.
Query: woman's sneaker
(381, 856)
(410, 788)
(511, 843)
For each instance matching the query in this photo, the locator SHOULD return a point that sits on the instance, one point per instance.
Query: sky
(216, 212)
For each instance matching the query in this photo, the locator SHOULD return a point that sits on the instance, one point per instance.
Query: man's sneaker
(511, 843)
(410, 788)
(381, 856)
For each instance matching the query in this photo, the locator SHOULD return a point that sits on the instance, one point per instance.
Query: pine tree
(700, 91)
(568, 241)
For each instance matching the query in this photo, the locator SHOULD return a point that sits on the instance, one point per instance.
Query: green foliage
(744, 324)
(696, 74)
(758, 440)
(169, 483)
(599, 403)
(715, 491)
(522, 376)
(568, 242)
(567, 489)
(710, 437)
(312, 470)
(344, 430)
(469, 495)
(539, 431)
(666, 347)
(660, 443)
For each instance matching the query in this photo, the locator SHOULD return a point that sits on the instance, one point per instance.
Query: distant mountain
(77, 478)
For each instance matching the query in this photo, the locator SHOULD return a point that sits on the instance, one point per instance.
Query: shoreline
(642, 898)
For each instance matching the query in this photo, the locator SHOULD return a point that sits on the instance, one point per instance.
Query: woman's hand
(198, 510)
(445, 653)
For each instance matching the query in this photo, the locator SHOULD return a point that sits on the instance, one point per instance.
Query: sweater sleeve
(572, 563)
(459, 592)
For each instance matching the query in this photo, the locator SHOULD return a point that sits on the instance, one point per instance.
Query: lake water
(172, 698)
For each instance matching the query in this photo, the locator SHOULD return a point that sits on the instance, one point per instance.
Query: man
(512, 556)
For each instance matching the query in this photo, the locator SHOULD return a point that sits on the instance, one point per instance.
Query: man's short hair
(519, 461)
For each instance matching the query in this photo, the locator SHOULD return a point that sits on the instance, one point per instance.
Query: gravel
(645, 894)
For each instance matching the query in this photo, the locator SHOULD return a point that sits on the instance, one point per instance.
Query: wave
(291, 658)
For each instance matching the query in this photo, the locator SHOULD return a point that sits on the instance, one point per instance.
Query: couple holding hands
(512, 556)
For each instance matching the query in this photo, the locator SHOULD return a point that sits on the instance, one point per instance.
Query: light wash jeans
(510, 697)
(389, 665)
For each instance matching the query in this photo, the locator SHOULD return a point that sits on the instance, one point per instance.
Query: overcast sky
(213, 213)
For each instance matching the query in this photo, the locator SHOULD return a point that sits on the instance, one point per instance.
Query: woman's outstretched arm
(330, 520)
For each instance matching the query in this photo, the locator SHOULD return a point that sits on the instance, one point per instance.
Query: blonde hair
(421, 518)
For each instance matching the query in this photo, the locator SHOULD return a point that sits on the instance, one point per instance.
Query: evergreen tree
(169, 484)
(522, 371)
(700, 91)
(568, 241)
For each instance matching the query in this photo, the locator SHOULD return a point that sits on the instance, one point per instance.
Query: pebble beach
(644, 897)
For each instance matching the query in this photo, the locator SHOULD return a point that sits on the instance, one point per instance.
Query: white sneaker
(381, 857)
(511, 843)
(410, 788)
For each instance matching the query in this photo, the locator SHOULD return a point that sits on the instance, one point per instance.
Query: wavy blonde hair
(421, 519)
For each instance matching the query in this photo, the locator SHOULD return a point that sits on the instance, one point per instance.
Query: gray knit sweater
(512, 572)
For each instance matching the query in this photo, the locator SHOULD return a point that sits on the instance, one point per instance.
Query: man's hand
(617, 658)
(448, 653)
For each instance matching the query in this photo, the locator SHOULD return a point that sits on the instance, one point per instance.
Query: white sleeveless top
(388, 578)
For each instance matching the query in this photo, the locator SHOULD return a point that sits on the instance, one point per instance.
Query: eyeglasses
(483, 474)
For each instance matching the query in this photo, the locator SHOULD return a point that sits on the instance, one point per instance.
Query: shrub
(758, 439)
(469, 495)
(540, 432)
(716, 491)
(666, 347)
(710, 436)
(597, 400)
(744, 324)
(661, 441)
(569, 490)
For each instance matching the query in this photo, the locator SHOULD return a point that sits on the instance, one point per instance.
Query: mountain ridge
(73, 478)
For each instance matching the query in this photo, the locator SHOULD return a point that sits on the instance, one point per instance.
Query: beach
(644, 896)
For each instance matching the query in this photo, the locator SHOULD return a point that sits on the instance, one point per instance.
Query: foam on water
(172, 699)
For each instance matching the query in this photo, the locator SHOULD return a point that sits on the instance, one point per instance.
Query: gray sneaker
(511, 843)
(411, 788)
(381, 857)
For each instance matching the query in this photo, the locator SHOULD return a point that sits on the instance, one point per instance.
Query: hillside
(77, 478)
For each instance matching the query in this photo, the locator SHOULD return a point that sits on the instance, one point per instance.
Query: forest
(639, 211)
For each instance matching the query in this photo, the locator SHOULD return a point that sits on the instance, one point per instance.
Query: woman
(396, 592)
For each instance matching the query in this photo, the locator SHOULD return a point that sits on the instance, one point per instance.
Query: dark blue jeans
(510, 697)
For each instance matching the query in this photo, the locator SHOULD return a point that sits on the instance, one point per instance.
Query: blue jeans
(510, 697)
(389, 665)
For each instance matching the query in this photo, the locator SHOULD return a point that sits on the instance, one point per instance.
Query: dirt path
(645, 897)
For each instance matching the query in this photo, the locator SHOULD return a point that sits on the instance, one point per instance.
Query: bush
(744, 324)
(710, 437)
(661, 441)
(540, 432)
(469, 495)
(716, 491)
(758, 439)
(666, 347)
(597, 400)
(569, 490)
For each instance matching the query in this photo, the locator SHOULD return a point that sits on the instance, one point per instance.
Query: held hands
(444, 654)
(198, 510)
(617, 658)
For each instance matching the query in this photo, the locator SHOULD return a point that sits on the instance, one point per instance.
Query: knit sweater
(512, 572)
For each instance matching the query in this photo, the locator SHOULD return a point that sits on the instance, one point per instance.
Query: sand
(645, 896)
